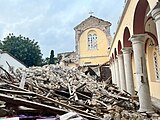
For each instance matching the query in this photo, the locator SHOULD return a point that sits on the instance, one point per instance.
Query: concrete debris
(57, 90)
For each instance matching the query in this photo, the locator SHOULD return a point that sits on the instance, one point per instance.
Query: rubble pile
(56, 90)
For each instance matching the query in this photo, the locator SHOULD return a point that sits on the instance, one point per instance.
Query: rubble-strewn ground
(56, 90)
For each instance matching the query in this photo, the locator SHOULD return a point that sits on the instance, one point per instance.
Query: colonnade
(121, 66)
(122, 74)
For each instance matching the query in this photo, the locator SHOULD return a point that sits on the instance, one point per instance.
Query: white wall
(12, 62)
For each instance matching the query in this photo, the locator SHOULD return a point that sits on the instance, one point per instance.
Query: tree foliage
(24, 49)
(45, 61)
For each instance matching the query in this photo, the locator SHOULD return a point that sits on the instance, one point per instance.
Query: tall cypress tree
(51, 59)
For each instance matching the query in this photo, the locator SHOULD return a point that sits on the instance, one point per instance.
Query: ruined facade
(67, 59)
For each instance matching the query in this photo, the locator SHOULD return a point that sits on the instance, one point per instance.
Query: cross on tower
(91, 12)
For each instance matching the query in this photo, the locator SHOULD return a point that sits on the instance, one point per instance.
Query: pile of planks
(56, 90)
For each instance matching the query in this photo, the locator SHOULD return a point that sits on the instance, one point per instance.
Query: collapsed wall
(56, 90)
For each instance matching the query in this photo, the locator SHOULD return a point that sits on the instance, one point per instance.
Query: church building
(92, 38)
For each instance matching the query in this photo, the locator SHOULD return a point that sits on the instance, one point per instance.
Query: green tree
(51, 59)
(24, 49)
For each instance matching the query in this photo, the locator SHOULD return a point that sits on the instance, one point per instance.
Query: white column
(117, 74)
(156, 15)
(111, 68)
(138, 43)
(114, 72)
(128, 69)
(121, 72)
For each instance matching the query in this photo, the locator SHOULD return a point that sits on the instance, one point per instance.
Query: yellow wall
(127, 21)
(94, 60)
(96, 56)
(150, 62)
(155, 88)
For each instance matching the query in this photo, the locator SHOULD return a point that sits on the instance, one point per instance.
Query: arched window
(89, 41)
(92, 41)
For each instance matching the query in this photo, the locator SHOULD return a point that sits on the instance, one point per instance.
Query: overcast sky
(51, 22)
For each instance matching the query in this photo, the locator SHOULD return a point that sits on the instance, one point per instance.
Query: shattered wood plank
(8, 75)
(80, 87)
(22, 102)
(101, 102)
(127, 93)
(88, 107)
(115, 96)
(17, 92)
(67, 106)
